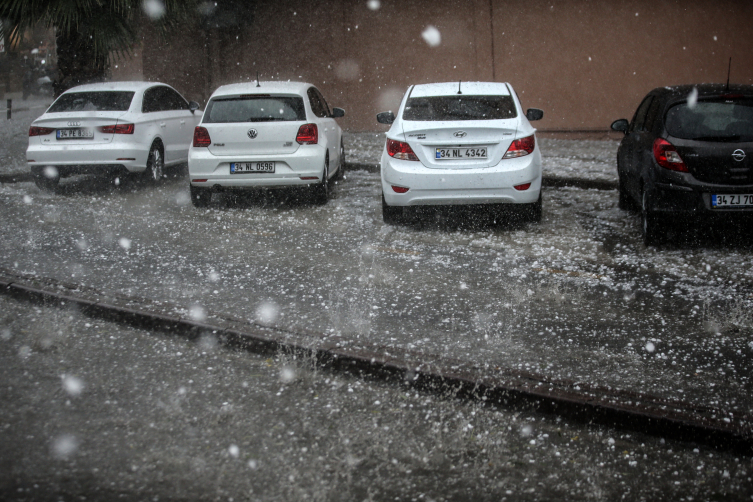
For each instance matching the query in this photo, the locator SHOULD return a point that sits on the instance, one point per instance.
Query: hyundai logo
(74, 123)
(460, 134)
(738, 155)
(252, 133)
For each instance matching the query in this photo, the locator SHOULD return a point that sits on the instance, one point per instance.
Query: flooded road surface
(576, 297)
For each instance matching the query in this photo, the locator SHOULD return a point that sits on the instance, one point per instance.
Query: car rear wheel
(390, 214)
(155, 164)
(339, 175)
(46, 179)
(321, 190)
(624, 202)
(200, 197)
(536, 210)
(651, 226)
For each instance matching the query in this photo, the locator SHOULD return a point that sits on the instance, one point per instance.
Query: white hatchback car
(112, 128)
(460, 143)
(266, 135)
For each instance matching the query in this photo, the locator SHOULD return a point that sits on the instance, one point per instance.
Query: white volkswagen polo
(265, 135)
(460, 143)
(112, 128)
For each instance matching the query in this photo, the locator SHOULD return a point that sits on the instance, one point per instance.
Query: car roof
(263, 87)
(115, 86)
(451, 89)
(703, 90)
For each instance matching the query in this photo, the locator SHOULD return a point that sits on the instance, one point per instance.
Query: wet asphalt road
(577, 297)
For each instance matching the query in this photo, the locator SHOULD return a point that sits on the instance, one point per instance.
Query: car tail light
(400, 150)
(201, 137)
(398, 189)
(309, 178)
(521, 147)
(199, 181)
(666, 156)
(308, 134)
(524, 186)
(117, 129)
(39, 131)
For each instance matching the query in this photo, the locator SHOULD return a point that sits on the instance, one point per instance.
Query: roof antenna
(459, 81)
(728, 71)
(257, 80)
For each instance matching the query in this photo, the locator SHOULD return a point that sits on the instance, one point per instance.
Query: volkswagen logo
(77, 123)
(460, 134)
(252, 133)
(738, 155)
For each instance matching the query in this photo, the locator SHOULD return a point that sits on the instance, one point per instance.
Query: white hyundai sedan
(460, 143)
(266, 135)
(113, 129)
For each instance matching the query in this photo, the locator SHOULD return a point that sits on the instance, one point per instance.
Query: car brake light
(39, 131)
(524, 186)
(666, 156)
(117, 129)
(201, 137)
(398, 189)
(401, 151)
(308, 134)
(521, 147)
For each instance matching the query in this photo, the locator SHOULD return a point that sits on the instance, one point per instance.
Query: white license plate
(252, 167)
(732, 200)
(448, 153)
(80, 133)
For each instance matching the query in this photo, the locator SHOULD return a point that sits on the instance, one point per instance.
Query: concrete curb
(579, 402)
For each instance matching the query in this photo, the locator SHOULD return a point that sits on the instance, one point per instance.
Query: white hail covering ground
(269, 147)
(488, 178)
(170, 128)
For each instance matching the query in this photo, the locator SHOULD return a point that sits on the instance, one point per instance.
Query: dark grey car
(687, 154)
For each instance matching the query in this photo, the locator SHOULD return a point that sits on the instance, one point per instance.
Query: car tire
(44, 182)
(536, 210)
(200, 197)
(155, 164)
(624, 202)
(652, 228)
(321, 190)
(340, 174)
(391, 215)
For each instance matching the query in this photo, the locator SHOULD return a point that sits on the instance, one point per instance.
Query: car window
(323, 102)
(722, 119)
(317, 107)
(460, 108)
(152, 100)
(100, 101)
(638, 123)
(174, 100)
(255, 109)
(652, 114)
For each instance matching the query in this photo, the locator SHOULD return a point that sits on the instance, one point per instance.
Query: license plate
(80, 133)
(734, 200)
(252, 167)
(447, 153)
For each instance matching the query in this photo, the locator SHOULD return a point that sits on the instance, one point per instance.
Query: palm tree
(89, 32)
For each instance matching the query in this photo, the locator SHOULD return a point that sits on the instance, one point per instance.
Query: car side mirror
(337, 112)
(193, 106)
(534, 114)
(385, 117)
(620, 125)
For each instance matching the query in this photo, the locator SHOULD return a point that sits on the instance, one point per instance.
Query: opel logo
(460, 134)
(738, 155)
(252, 133)
(77, 123)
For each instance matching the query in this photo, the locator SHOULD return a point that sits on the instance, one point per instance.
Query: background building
(584, 62)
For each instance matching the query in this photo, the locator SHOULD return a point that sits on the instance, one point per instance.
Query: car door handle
(162, 124)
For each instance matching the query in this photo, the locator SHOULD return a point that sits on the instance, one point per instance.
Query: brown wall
(584, 62)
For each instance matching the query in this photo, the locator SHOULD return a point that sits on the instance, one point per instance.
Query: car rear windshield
(719, 119)
(460, 108)
(255, 109)
(97, 101)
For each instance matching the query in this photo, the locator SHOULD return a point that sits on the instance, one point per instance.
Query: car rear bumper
(672, 198)
(87, 159)
(490, 185)
(214, 171)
